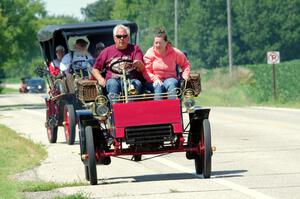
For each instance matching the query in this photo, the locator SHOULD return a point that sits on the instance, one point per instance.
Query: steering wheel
(120, 64)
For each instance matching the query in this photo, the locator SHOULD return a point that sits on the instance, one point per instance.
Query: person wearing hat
(55, 64)
(121, 50)
(78, 59)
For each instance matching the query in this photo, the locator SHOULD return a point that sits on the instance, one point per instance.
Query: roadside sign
(273, 57)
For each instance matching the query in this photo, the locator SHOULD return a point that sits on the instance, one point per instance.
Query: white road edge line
(231, 185)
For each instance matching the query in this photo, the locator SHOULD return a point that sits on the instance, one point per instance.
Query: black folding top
(49, 31)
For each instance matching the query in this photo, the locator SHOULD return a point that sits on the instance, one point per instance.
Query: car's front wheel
(52, 134)
(92, 169)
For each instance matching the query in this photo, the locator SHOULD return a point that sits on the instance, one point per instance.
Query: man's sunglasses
(121, 36)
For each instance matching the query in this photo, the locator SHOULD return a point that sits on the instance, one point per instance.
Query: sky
(66, 7)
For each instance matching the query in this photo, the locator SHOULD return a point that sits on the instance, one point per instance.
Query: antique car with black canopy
(63, 96)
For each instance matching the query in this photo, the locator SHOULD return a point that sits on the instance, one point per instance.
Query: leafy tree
(258, 26)
(265, 25)
(18, 22)
(99, 10)
(204, 33)
(149, 15)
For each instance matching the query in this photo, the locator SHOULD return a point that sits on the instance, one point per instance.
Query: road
(257, 156)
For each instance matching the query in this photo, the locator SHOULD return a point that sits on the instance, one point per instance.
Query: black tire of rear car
(52, 134)
(203, 163)
(92, 169)
(70, 139)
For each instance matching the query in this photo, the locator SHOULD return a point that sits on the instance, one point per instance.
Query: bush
(288, 86)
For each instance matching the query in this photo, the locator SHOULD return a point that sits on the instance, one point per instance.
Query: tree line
(258, 26)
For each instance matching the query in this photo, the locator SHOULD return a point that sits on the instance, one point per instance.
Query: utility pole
(229, 36)
(175, 28)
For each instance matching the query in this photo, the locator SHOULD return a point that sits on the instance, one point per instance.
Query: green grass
(249, 86)
(47, 186)
(9, 91)
(18, 154)
(221, 89)
(74, 196)
(15, 80)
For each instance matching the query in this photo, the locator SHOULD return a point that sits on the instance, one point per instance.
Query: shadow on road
(171, 176)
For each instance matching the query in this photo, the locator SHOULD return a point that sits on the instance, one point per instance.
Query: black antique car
(65, 95)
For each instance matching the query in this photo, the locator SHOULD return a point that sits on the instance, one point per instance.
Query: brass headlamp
(100, 106)
(189, 100)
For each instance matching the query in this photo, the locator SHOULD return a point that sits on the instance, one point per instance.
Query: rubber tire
(137, 158)
(86, 172)
(203, 162)
(52, 134)
(92, 170)
(70, 124)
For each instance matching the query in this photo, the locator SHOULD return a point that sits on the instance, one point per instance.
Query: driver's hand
(157, 82)
(101, 81)
(138, 64)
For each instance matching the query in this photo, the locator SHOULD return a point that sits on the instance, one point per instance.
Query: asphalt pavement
(257, 156)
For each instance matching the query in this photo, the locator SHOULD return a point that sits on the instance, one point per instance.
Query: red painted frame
(151, 112)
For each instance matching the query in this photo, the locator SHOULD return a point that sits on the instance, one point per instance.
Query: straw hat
(72, 41)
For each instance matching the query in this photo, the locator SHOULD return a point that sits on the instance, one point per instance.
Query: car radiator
(149, 134)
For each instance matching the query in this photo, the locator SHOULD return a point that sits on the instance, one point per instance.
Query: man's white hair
(121, 26)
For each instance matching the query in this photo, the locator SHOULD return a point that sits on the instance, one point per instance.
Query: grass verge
(9, 90)
(221, 89)
(18, 154)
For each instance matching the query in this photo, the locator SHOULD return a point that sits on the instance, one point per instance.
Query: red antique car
(138, 125)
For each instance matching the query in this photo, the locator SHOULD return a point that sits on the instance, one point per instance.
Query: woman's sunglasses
(121, 36)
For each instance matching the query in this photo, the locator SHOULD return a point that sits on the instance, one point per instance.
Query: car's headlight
(28, 87)
(101, 107)
(102, 110)
(189, 100)
(39, 86)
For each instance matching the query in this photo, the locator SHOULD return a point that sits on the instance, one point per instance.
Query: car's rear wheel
(137, 158)
(69, 123)
(203, 159)
(51, 122)
(52, 134)
(92, 169)
(86, 172)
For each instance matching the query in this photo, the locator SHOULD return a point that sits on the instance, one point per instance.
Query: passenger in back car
(78, 60)
(55, 64)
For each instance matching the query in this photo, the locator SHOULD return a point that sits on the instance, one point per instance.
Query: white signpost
(273, 58)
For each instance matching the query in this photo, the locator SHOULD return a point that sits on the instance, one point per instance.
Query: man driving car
(119, 51)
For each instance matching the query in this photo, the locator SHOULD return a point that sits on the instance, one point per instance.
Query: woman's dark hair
(161, 33)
